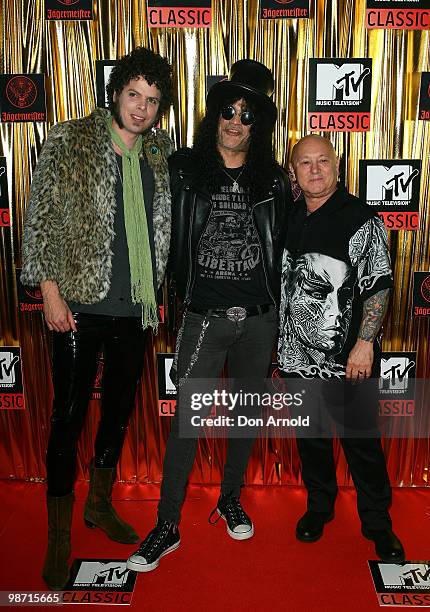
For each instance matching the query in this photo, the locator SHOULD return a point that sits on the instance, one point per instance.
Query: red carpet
(210, 571)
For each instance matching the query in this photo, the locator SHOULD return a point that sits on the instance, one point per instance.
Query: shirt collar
(334, 203)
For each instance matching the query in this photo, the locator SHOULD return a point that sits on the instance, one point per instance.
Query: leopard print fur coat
(68, 227)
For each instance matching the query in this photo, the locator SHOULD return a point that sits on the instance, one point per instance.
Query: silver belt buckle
(236, 313)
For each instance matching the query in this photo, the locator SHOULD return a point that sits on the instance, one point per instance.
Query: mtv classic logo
(339, 95)
(4, 195)
(22, 97)
(421, 301)
(398, 14)
(167, 392)
(99, 581)
(284, 9)
(179, 13)
(392, 188)
(424, 108)
(11, 389)
(69, 10)
(397, 384)
(402, 584)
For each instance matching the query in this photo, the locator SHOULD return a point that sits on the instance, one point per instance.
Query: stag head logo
(33, 292)
(21, 91)
(425, 289)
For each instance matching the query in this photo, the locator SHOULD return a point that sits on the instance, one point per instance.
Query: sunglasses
(246, 118)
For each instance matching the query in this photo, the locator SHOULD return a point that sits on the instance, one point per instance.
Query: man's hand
(58, 316)
(360, 360)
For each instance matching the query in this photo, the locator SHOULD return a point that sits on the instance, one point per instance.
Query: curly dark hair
(260, 158)
(141, 62)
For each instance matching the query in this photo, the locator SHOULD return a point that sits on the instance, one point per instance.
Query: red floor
(210, 571)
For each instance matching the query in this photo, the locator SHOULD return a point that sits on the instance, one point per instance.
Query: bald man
(336, 280)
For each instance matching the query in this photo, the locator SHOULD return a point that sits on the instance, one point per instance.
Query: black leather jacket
(191, 207)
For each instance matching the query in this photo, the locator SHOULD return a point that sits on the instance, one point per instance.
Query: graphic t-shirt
(230, 269)
(334, 259)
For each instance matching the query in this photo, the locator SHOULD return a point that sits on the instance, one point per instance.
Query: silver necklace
(235, 186)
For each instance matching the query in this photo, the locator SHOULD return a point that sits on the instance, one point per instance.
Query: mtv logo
(170, 387)
(393, 183)
(8, 362)
(114, 573)
(339, 83)
(106, 74)
(395, 373)
(406, 575)
(103, 71)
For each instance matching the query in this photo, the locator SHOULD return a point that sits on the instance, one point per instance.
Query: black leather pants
(74, 367)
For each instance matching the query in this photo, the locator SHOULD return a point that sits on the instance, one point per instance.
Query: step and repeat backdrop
(356, 71)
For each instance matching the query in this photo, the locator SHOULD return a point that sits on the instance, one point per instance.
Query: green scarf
(136, 228)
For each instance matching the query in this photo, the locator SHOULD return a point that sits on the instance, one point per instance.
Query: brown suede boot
(99, 512)
(56, 570)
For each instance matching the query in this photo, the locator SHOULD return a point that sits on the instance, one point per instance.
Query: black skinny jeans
(247, 346)
(74, 369)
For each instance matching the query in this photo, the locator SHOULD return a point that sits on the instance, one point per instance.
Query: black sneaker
(163, 539)
(239, 525)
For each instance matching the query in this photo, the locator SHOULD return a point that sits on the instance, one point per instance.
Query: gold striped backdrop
(66, 53)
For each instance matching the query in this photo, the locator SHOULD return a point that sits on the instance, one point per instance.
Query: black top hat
(248, 79)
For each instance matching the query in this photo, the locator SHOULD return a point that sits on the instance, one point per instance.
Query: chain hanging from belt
(195, 355)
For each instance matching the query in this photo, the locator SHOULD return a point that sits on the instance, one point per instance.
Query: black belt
(234, 313)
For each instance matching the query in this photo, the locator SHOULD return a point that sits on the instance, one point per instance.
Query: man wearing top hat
(229, 202)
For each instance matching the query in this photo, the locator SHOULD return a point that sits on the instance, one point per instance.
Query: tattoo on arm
(374, 309)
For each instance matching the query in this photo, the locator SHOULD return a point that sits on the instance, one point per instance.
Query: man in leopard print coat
(96, 240)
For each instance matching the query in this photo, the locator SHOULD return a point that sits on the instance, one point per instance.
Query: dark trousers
(74, 370)
(354, 409)
(247, 346)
